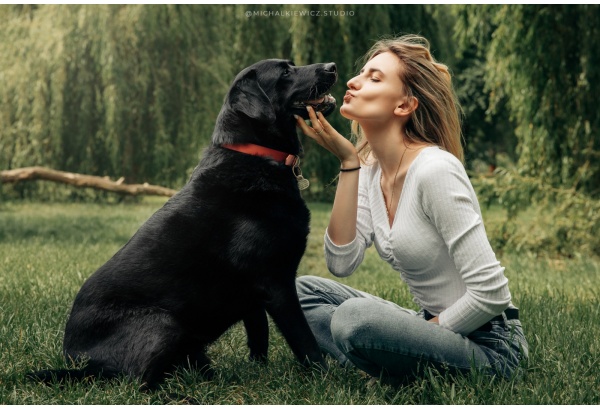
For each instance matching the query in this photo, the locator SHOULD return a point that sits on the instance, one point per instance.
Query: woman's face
(376, 92)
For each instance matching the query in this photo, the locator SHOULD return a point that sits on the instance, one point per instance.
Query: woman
(404, 188)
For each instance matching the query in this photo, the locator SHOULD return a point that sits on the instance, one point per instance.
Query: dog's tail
(59, 376)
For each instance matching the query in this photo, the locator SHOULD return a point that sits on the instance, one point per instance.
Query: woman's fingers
(307, 130)
(325, 132)
(325, 124)
(325, 135)
(315, 130)
(312, 115)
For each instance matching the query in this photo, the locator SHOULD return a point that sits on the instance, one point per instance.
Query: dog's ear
(249, 98)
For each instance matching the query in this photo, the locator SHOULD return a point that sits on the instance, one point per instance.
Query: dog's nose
(330, 67)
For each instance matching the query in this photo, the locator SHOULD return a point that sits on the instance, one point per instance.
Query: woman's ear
(407, 107)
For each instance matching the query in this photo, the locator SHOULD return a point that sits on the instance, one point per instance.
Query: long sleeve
(450, 203)
(342, 260)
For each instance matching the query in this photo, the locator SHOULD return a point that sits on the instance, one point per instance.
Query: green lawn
(48, 250)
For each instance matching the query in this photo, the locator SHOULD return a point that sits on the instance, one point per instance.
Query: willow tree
(134, 90)
(545, 60)
(489, 134)
(130, 90)
(109, 90)
(542, 62)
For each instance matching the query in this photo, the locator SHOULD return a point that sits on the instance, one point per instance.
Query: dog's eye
(287, 72)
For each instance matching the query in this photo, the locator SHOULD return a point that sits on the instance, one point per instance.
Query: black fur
(223, 249)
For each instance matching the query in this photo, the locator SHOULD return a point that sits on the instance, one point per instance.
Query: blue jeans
(386, 340)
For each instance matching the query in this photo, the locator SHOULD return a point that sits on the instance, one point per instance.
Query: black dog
(223, 249)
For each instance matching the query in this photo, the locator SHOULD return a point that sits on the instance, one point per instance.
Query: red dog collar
(259, 151)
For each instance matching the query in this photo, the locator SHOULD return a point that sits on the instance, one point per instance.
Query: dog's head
(267, 94)
(277, 89)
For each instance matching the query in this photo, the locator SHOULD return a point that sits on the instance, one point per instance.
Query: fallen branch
(83, 181)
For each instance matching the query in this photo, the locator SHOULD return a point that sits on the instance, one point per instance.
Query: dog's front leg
(284, 307)
(257, 332)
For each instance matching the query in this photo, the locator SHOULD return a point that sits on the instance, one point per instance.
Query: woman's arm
(451, 204)
(345, 204)
(349, 232)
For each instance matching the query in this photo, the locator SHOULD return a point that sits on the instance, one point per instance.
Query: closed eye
(374, 74)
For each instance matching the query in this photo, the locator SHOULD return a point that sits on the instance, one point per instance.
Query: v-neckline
(382, 197)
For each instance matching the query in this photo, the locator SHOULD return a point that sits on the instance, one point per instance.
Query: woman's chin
(346, 112)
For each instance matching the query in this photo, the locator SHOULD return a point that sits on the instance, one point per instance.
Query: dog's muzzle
(324, 104)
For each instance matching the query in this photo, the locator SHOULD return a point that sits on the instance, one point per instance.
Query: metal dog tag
(302, 182)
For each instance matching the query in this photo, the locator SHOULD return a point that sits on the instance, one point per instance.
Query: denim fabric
(384, 339)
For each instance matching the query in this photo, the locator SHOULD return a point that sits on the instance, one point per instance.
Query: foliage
(544, 60)
(106, 90)
(535, 69)
(538, 66)
(489, 134)
(540, 218)
(134, 90)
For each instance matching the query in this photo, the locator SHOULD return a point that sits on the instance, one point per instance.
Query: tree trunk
(85, 181)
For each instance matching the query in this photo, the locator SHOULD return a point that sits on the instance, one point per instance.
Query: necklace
(387, 208)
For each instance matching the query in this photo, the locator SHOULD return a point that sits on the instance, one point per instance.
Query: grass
(48, 250)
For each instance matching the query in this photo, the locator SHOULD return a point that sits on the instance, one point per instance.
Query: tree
(541, 70)
(109, 90)
(545, 60)
(489, 134)
(133, 90)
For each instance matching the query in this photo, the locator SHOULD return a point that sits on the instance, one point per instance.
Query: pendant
(303, 183)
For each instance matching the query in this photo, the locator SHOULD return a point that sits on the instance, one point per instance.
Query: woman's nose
(353, 83)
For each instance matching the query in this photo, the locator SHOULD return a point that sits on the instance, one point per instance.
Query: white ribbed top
(437, 241)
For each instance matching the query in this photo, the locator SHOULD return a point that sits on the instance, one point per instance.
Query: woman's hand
(345, 204)
(327, 137)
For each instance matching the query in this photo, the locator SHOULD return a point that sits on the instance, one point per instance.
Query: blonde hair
(437, 117)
